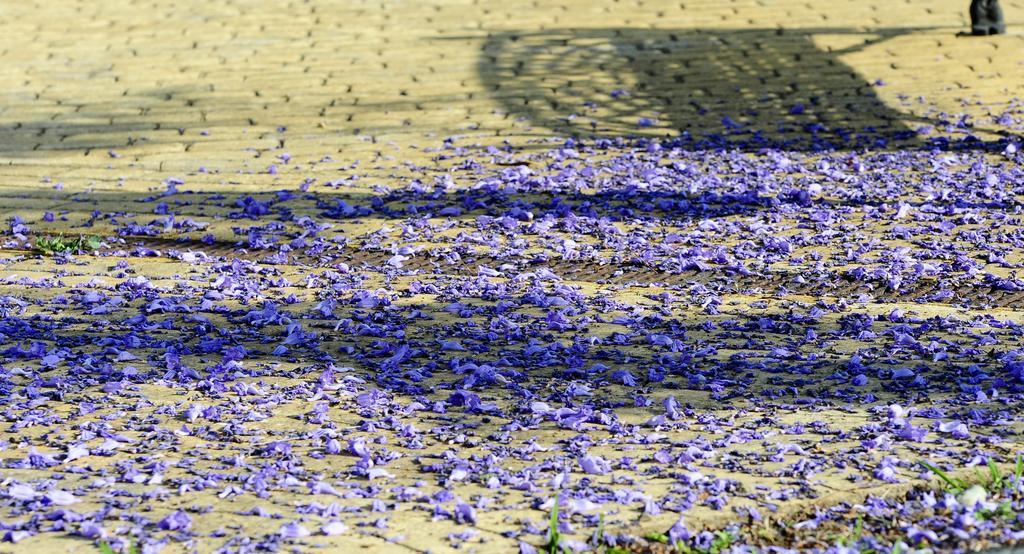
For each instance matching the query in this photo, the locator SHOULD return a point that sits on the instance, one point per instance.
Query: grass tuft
(105, 548)
(61, 245)
(722, 541)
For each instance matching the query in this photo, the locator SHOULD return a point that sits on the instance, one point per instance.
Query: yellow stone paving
(110, 97)
(170, 85)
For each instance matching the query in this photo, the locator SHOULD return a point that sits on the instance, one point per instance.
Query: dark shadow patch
(750, 88)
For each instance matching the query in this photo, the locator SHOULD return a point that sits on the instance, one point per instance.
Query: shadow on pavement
(723, 88)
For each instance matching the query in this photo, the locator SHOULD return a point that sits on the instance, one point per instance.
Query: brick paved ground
(105, 100)
(170, 87)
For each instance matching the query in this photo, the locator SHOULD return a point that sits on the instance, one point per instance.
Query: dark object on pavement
(987, 18)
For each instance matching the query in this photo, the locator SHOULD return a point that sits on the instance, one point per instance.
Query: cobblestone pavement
(172, 129)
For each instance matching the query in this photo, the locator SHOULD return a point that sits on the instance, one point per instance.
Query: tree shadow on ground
(134, 118)
(717, 88)
(705, 89)
(472, 349)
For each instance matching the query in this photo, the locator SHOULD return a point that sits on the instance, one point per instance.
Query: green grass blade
(554, 538)
(956, 485)
(1019, 471)
(996, 475)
